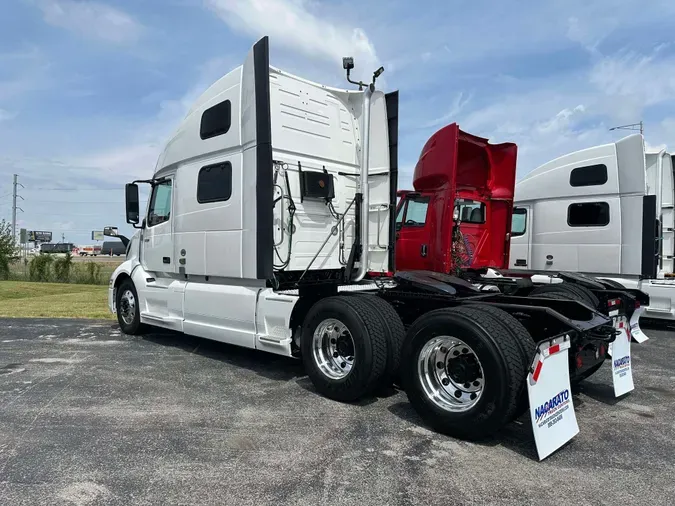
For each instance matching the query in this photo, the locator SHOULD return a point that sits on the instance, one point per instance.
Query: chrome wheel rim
(333, 349)
(127, 307)
(450, 373)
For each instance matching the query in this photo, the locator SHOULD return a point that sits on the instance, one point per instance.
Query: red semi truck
(457, 222)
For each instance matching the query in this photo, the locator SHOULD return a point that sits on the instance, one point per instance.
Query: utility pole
(14, 183)
(15, 195)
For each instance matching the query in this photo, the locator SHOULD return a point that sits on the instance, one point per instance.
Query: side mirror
(110, 231)
(131, 200)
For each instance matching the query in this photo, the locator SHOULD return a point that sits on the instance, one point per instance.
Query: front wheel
(128, 310)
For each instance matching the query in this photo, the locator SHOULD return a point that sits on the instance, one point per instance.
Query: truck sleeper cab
(270, 225)
(605, 211)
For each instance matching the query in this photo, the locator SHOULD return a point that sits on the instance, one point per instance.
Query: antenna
(632, 126)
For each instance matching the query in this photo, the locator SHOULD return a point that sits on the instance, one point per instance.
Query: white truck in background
(606, 211)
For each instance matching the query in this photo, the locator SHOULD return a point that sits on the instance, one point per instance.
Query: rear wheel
(612, 284)
(344, 347)
(525, 342)
(395, 335)
(573, 292)
(574, 378)
(587, 374)
(463, 372)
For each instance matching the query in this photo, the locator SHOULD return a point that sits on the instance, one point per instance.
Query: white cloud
(562, 120)
(291, 24)
(25, 81)
(91, 19)
(654, 147)
(459, 103)
(6, 115)
(136, 156)
(631, 82)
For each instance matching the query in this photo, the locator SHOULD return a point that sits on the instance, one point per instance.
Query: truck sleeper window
(588, 214)
(214, 183)
(591, 175)
(160, 204)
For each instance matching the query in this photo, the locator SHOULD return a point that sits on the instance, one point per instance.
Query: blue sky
(89, 91)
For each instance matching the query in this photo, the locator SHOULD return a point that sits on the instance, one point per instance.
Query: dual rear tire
(439, 385)
(464, 370)
(351, 345)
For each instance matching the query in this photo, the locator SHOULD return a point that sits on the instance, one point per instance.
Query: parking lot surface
(91, 416)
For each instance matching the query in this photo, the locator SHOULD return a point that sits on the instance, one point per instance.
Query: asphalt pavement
(90, 416)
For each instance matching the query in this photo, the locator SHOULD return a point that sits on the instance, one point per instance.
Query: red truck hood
(452, 157)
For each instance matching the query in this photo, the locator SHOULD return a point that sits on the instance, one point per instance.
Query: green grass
(24, 299)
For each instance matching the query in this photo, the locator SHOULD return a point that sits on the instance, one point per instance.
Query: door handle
(146, 240)
(521, 262)
(423, 250)
(166, 260)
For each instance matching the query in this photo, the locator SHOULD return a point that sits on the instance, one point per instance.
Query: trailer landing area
(91, 416)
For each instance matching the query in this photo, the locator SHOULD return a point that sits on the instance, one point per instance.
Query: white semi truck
(270, 225)
(606, 211)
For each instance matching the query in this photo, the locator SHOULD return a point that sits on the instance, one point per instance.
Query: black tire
(525, 342)
(584, 292)
(368, 333)
(612, 284)
(502, 363)
(395, 336)
(569, 291)
(135, 327)
(587, 374)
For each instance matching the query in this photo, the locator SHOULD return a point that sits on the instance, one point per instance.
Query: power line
(39, 201)
(77, 189)
(76, 215)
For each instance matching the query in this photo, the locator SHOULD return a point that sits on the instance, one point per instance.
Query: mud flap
(634, 330)
(622, 372)
(554, 422)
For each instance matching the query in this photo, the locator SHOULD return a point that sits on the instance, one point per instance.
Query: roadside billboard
(39, 236)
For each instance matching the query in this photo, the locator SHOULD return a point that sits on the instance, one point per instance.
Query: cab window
(416, 214)
(470, 211)
(518, 221)
(413, 212)
(160, 204)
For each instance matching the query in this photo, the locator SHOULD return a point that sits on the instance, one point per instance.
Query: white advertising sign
(635, 330)
(622, 373)
(554, 422)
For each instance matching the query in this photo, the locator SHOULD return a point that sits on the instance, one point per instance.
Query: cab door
(521, 238)
(413, 235)
(157, 252)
